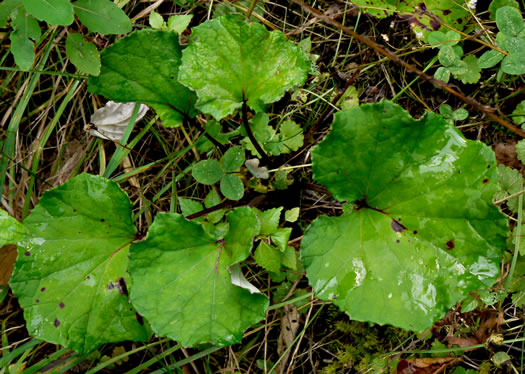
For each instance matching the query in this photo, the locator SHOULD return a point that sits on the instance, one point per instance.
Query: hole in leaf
(61, 305)
(450, 244)
(42, 289)
(27, 254)
(57, 322)
(485, 181)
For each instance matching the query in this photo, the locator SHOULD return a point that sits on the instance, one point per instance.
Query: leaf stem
(251, 136)
(214, 141)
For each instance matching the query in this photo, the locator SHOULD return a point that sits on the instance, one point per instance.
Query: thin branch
(249, 131)
(488, 111)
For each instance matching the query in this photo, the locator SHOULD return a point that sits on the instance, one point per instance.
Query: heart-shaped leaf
(182, 282)
(229, 61)
(143, 68)
(70, 276)
(423, 231)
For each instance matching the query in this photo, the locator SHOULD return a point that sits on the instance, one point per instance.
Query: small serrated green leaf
(268, 257)
(269, 220)
(212, 199)
(83, 54)
(443, 74)
(233, 159)
(207, 172)
(232, 187)
(520, 151)
(280, 237)
(509, 184)
(291, 136)
(468, 71)
(490, 59)
(189, 206)
(509, 20)
(179, 23)
(156, 21)
(102, 16)
(518, 115)
(291, 215)
(54, 12)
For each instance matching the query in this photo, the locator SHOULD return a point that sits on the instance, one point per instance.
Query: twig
(249, 131)
(385, 52)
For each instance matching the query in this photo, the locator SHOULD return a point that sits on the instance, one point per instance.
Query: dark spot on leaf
(488, 166)
(398, 241)
(42, 289)
(57, 322)
(446, 12)
(88, 277)
(74, 210)
(450, 244)
(459, 20)
(415, 232)
(397, 227)
(334, 297)
(27, 254)
(459, 172)
(102, 220)
(485, 181)
(195, 39)
(110, 285)
(61, 305)
(37, 300)
(139, 318)
(435, 24)
(121, 285)
(422, 6)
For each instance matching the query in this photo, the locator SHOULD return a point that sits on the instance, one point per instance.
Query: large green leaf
(143, 67)
(229, 61)
(70, 276)
(423, 231)
(182, 281)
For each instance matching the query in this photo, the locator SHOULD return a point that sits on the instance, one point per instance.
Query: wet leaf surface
(229, 61)
(182, 282)
(70, 276)
(424, 231)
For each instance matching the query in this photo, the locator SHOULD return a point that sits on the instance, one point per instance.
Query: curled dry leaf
(111, 120)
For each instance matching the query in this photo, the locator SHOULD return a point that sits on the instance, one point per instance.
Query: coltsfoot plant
(418, 233)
